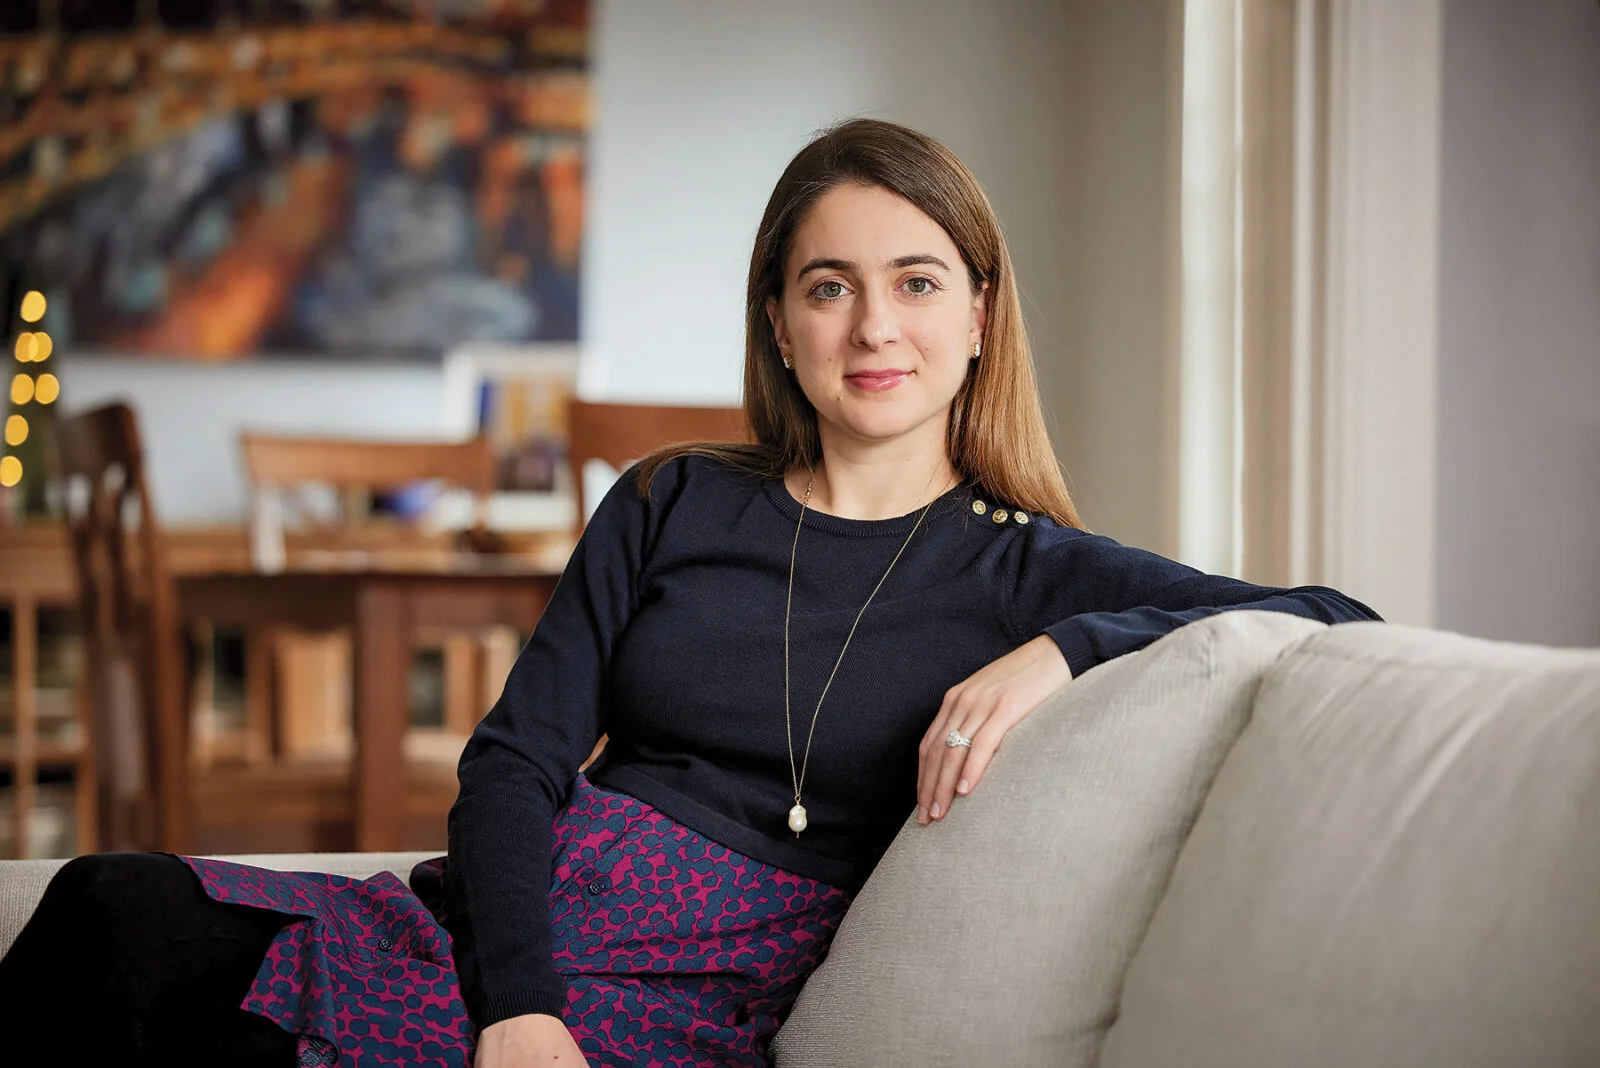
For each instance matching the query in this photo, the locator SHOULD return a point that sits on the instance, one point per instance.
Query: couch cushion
(1399, 864)
(999, 936)
(22, 882)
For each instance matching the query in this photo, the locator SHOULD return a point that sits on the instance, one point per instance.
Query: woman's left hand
(983, 707)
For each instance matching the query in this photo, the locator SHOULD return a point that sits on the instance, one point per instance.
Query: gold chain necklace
(797, 814)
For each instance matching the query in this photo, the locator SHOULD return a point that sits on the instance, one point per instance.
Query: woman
(791, 646)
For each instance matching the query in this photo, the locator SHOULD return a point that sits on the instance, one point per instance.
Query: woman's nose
(876, 321)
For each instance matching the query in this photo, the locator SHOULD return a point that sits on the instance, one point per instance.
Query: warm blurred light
(27, 346)
(33, 306)
(16, 430)
(21, 389)
(42, 346)
(10, 471)
(48, 390)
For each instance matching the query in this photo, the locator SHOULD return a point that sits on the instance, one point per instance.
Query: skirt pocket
(591, 825)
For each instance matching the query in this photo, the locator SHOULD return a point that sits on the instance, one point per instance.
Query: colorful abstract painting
(228, 179)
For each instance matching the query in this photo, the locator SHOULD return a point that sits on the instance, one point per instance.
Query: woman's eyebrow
(920, 259)
(824, 264)
(916, 259)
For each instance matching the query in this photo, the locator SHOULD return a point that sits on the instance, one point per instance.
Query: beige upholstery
(1008, 926)
(1398, 866)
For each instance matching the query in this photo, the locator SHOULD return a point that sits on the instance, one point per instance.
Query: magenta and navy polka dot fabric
(677, 951)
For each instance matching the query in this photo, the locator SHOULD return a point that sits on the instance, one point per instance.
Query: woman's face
(877, 317)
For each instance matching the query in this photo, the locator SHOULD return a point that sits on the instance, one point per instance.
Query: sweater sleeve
(520, 766)
(1099, 599)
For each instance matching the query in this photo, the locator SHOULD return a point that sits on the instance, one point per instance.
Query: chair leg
(167, 691)
(462, 685)
(313, 693)
(87, 838)
(260, 743)
(25, 726)
(475, 670)
(203, 715)
(500, 647)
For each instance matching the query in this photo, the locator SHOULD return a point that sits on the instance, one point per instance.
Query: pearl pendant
(797, 818)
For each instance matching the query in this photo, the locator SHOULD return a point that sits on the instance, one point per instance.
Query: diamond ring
(955, 738)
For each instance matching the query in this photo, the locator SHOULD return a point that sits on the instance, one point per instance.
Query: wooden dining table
(381, 599)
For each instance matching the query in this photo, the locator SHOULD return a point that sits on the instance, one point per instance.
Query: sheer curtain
(1304, 366)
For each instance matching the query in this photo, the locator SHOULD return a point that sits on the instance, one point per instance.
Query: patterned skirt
(676, 950)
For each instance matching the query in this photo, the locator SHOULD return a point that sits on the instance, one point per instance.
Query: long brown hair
(997, 434)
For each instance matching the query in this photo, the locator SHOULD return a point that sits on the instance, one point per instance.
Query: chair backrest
(136, 676)
(281, 468)
(619, 434)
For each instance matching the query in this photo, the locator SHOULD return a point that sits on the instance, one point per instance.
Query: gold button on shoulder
(1000, 515)
(1020, 517)
(979, 507)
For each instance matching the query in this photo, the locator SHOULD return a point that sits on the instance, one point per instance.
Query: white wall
(1111, 396)
(1519, 331)
(700, 103)
(191, 417)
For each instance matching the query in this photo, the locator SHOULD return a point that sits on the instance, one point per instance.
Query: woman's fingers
(983, 716)
(960, 773)
(950, 770)
(931, 753)
(984, 746)
(983, 707)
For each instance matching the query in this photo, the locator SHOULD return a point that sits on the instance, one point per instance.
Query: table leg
(381, 648)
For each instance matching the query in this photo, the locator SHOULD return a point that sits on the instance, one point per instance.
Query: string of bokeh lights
(42, 387)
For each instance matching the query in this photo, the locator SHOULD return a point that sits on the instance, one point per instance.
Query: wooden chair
(281, 468)
(152, 792)
(619, 434)
(137, 678)
(305, 677)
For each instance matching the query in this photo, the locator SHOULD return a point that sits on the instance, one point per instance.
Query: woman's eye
(828, 290)
(920, 287)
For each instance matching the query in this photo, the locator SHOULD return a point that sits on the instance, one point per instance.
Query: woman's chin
(881, 426)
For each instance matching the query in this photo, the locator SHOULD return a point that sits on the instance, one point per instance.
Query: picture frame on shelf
(517, 396)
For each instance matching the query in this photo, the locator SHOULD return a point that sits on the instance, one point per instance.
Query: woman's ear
(980, 313)
(780, 332)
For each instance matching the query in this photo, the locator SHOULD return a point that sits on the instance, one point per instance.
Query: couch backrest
(1398, 864)
(1000, 935)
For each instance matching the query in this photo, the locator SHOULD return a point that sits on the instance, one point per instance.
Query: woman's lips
(877, 381)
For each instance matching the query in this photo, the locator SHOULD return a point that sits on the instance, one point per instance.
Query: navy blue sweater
(666, 632)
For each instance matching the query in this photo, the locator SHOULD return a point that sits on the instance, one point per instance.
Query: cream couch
(1259, 842)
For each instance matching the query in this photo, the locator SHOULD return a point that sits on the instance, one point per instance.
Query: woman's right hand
(532, 1041)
